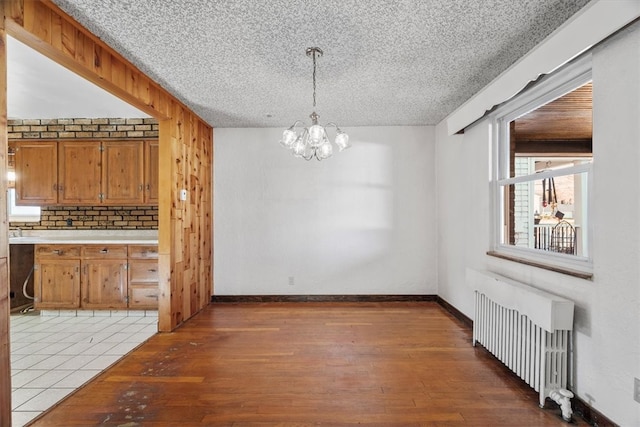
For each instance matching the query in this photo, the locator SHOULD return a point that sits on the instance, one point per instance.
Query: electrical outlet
(291, 281)
(636, 389)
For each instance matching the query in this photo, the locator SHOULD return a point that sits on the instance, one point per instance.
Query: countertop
(84, 237)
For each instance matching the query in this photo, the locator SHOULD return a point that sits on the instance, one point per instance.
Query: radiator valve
(563, 398)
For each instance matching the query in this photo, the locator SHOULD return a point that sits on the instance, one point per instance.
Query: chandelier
(313, 141)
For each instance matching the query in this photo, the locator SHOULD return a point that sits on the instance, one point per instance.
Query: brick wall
(94, 218)
(82, 128)
(523, 214)
(88, 217)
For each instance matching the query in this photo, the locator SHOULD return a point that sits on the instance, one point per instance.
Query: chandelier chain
(314, 79)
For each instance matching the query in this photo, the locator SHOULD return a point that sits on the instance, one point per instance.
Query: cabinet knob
(104, 251)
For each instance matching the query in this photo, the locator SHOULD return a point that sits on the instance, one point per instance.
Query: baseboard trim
(455, 312)
(319, 298)
(590, 415)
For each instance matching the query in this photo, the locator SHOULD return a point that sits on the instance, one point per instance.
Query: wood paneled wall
(5, 352)
(186, 161)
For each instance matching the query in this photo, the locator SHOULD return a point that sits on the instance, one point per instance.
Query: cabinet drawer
(145, 297)
(143, 272)
(143, 251)
(104, 251)
(57, 251)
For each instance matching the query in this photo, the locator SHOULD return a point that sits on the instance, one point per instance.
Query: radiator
(527, 329)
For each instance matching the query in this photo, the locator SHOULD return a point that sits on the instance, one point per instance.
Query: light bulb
(298, 147)
(316, 132)
(288, 138)
(342, 141)
(326, 150)
(308, 152)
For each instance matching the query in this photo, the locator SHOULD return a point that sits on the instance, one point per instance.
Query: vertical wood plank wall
(5, 351)
(186, 161)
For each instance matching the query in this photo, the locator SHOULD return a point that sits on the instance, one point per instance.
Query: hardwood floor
(386, 364)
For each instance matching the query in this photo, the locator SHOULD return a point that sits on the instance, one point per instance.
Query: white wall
(361, 222)
(607, 335)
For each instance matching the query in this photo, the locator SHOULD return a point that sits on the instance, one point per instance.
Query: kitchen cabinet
(36, 167)
(57, 277)
(104, 277)
(123, 172)
(143, 277)
(92, 172)
(79, 172)
(95, 277)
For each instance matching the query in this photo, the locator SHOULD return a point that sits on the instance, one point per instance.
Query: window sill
(556, 269)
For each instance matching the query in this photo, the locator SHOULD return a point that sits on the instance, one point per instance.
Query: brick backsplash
(82, 128)
(88, 217)
(94, 218)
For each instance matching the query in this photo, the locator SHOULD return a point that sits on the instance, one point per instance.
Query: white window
(20, 213)
(542, 172)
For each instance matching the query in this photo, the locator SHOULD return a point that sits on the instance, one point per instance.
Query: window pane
(21, 213)
(558, 132)
(548, 214)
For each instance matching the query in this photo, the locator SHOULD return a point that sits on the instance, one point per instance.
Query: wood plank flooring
(298, 364)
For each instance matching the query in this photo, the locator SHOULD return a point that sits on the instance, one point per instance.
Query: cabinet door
(143, 284)
(36, 165)
(79, 172)
(57, 283)
(123, 172)
(104, 284)
(152, 172)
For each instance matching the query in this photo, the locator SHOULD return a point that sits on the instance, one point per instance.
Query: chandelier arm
(310, 157)
(298, 122)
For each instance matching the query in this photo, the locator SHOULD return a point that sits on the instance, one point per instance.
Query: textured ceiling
(242, 63)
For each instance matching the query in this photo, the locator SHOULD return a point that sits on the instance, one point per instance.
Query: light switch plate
(183, 194)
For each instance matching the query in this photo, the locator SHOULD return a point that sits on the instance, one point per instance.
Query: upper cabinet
(79, 176)
(86, 172)
(36, 165)
(122, 172)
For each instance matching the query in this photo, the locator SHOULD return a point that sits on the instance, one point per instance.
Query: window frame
(21, 213)
(550, 87)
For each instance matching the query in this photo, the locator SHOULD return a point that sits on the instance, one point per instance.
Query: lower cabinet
(57, 277)
(143, 277)
(104, 277)
(96, 277)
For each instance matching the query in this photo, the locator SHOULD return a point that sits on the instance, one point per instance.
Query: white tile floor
(54, 353)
